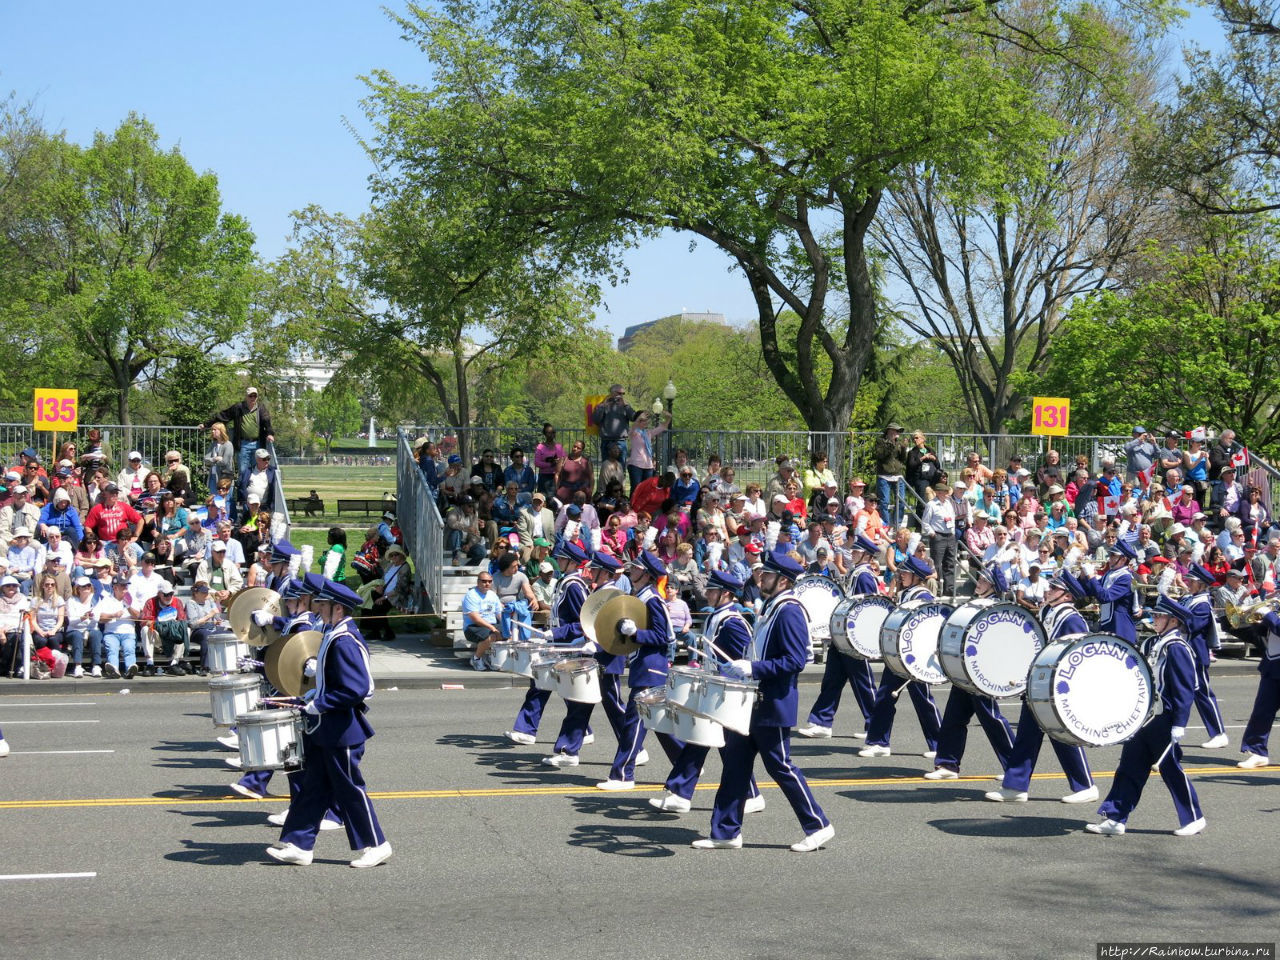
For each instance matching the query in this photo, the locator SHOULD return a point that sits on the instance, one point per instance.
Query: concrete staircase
(456, 581)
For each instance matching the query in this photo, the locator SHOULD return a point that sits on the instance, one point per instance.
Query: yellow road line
(553, 791)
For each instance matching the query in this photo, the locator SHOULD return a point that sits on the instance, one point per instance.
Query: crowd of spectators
(1178, 502)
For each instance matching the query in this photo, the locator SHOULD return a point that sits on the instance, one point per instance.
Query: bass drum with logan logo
(1090, 690)
(987, 647)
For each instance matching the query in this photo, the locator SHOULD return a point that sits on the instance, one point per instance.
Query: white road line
(38, 753)
(45, 876)
(14, 723)
(56, 703)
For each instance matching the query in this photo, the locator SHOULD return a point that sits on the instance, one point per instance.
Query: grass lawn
(331, 481)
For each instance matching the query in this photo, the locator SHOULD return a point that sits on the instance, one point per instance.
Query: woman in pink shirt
(1186, 506)
(546, 458)
(640, 459)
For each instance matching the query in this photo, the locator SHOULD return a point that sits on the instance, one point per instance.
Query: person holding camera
(614, 417)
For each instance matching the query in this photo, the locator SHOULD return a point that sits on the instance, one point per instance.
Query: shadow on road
(236, 817)
(633, 809)
(191, 746)
(475, 741)
(222, 854)
(911, 794)
(1010, 827)
(633, 841)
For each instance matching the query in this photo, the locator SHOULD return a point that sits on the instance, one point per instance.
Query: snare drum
(856, 623)
(500, 655)
(692, 728)
(233, 695)
(727, 701)
(684, 684)
(987, 647)
(651, 704)
(224, 651)
(270, 739)
(819, 596)
(909, 640)
(578, 679)
(1090, 690)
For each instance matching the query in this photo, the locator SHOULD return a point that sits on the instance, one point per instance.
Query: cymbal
(294, 652)
(240, 612)
(591, 606)
(623, 607)
(271, 658)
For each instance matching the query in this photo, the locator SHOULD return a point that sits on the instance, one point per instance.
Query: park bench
(369, 507)
(305, 506)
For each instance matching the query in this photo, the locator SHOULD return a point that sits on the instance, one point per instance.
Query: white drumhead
(1100, 689)
(1000, 644)
(819, 596)
(863, 624)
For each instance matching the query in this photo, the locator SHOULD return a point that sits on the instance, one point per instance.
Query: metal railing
(422, 527)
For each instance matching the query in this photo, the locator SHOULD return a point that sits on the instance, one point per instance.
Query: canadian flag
(1144, 476)
(1111, 505)
(1198, 433)
(1240, 459)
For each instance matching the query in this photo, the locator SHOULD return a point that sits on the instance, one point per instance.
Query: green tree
(769, 128)
(125, 254)
(194, 385)
(1198, 343)
(335, 412)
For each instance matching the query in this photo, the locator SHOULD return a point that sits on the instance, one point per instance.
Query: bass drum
(909, 640)
(819, 596)
(987, 647)
(1090, 690)
(856, 623)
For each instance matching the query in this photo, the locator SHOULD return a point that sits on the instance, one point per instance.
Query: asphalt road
(497, 856)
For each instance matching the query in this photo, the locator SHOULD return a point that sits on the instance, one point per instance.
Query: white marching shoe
(1253, 761)
(1108, 828)
(874, 751)
(588, 739)
(929, 754)
(4, 747)
(754, 804)
(515, 736)
(372, 856)
(288, 853)
(942, 773)
(1082, 796)
(711, 843)
(231, 741)
(612, 785)
(670, 803)
(815, 731)
(560, 760)
(277, 819)
(814, 840)
(1216, 743)
(244, 791)
(1006, 796)
(1191, 829)
(642, 758)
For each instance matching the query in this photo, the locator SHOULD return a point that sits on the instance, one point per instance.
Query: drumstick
(1155, 767)
(532, 629)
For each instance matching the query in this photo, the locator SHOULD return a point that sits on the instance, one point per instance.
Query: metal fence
(422, 527)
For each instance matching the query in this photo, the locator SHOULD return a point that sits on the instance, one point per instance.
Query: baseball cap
(252, 391)
(8, 582)
(20, 488)
(545, 567)
(166, 587)
(83, 582)
(262, 453)
(135, 455)
(110, 488)
(218, 546)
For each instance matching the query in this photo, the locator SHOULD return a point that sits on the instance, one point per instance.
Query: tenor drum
(232, 695)
(684, 685)
(1090, 690)
(520, 655)
(270, 739)
(224, 651)
(578, 679)
(544, 668)
(651, 704)
(819, 596)
(727, 701)
(692, 728)
(987, 647)
(856, 623)
(909, 640)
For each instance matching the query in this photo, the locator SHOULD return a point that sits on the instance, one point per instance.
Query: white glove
(311, 709)
(1177, 733)
(261, 617)
(627, 627)
(589, 647)
(741, 668)
(309, 668)
(1088, 569)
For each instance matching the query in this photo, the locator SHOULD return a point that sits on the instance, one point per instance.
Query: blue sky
(257, 93)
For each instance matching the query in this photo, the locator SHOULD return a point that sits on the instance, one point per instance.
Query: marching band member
(779, 652)
(574, 731)
(1202, 633)
(1173, 667)
(727, 629)
(1266, 703)
(841, 667)
(282, 554)
(648, 669)
(1113, 591)
(1060, 619)
(962, 705)
(570, 594)
(911, 575)
(335, 731)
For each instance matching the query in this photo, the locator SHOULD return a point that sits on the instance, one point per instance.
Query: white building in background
(303, 374)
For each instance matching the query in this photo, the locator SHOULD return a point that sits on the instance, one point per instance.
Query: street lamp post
(669, 395)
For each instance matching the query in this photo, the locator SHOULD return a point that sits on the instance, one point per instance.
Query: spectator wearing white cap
(249, 424)
(222, 576)
(13, 610)
(58, 514)
(940, 527)
(258, 480)
(21, 558)
(82, 627)
(130, 480)
(18, 512)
